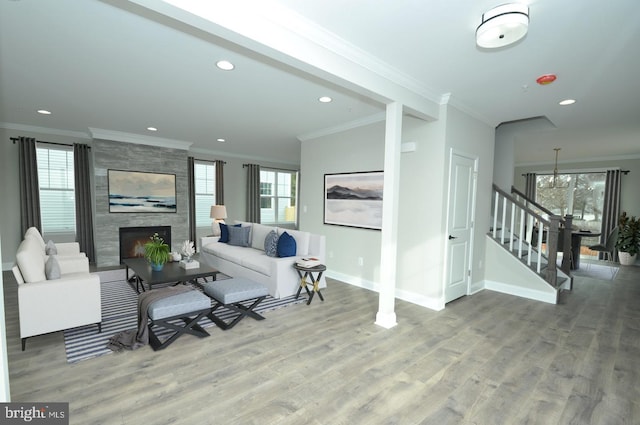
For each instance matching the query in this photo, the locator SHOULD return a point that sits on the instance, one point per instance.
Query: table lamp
(218, 214)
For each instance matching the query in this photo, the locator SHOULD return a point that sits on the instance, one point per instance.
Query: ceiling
(124, 66)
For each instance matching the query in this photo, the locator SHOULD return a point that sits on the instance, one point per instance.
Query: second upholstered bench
(230, 293)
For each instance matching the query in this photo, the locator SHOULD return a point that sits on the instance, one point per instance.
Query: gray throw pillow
(52, 268)
(238, 236)
(271, 244)
(50, 248)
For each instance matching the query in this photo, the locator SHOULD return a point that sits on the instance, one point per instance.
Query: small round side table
(305, 272)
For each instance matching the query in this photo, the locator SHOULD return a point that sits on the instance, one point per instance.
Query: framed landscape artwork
(141, 192)
(354, 199)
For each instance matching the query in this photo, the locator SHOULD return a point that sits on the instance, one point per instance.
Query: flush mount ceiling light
(44, 112)
(567, 102)
(225, 65)
(503, 25)
(152, 129)
(325, 99)
(221, 140)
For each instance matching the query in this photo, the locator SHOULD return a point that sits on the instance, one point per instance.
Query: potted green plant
(628, 242)
(156, 252)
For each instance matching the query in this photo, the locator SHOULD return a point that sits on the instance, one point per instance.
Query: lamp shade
(503, 25)
(218, 212)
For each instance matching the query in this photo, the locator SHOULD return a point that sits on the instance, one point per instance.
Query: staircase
(522, 248)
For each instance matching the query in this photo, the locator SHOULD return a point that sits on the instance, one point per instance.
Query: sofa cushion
(258, 263)
(271, 244)
(302, 240)
(30, 260)
(239, 236)
(286, 245)
(35, 233)
(226, 252)
(246, 224)
(224, 232)
(50, 248)
(52, 268)
(260, 232)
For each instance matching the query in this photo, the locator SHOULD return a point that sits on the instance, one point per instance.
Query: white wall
(469, 135)
(420, 222)
(5, 394)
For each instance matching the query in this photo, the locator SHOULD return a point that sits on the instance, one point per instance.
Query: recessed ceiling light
(567, 102)
(325, 99)
(44, 112)
(152, 129)
(221, 140)
(225, 65)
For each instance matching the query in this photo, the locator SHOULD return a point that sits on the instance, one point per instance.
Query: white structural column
(386, 316)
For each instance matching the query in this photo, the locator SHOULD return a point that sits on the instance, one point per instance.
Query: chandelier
(554, 182)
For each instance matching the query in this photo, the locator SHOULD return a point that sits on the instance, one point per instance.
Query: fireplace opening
(132, 239)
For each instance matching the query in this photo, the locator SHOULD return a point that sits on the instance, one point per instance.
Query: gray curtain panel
(530, 186)
(219, 182)
(29, 188)
(191, 185)
(253, 193)
(611, 207)
(84, 214)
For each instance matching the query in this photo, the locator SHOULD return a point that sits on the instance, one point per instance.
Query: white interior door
(459, 247)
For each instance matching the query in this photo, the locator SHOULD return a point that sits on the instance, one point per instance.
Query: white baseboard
(436, 304)
(519, 291)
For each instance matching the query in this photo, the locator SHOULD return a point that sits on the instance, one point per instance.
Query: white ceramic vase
(627, 259)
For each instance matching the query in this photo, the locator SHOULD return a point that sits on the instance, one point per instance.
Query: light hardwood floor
(486, 359)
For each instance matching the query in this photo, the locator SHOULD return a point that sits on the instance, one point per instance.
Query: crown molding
(139, 139)
(371, 119)
(450, 100)
(45, 130)
(259, 159)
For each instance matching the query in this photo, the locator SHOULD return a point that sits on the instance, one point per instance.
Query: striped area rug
(119, 313)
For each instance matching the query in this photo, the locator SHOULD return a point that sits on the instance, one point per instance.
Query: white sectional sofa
(252, 262)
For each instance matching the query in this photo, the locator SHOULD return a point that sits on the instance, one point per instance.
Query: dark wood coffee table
(170, 273)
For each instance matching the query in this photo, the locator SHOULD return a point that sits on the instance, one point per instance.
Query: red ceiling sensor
(546, 79)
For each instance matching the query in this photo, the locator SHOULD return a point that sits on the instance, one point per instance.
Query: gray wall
(359, 149)
(422, 200)
(125, 156)
(9, 189)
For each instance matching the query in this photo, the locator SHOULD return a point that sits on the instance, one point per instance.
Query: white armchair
(64, 249)
(69, 298)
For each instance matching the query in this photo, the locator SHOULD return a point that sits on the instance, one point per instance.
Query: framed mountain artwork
(354, 199)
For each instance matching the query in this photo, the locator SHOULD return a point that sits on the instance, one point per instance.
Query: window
(205, 187)
(57, 195)
(278, 196)
(578, 194)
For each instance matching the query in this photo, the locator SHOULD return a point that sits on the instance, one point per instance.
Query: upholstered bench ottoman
(181, 306)
(230, 293)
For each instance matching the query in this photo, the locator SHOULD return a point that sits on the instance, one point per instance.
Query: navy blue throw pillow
(286, 245)
(224, 232)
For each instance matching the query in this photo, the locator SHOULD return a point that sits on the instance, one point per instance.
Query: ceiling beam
(269, 29)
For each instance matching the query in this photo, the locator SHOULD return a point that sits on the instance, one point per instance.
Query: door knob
(452, 237)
